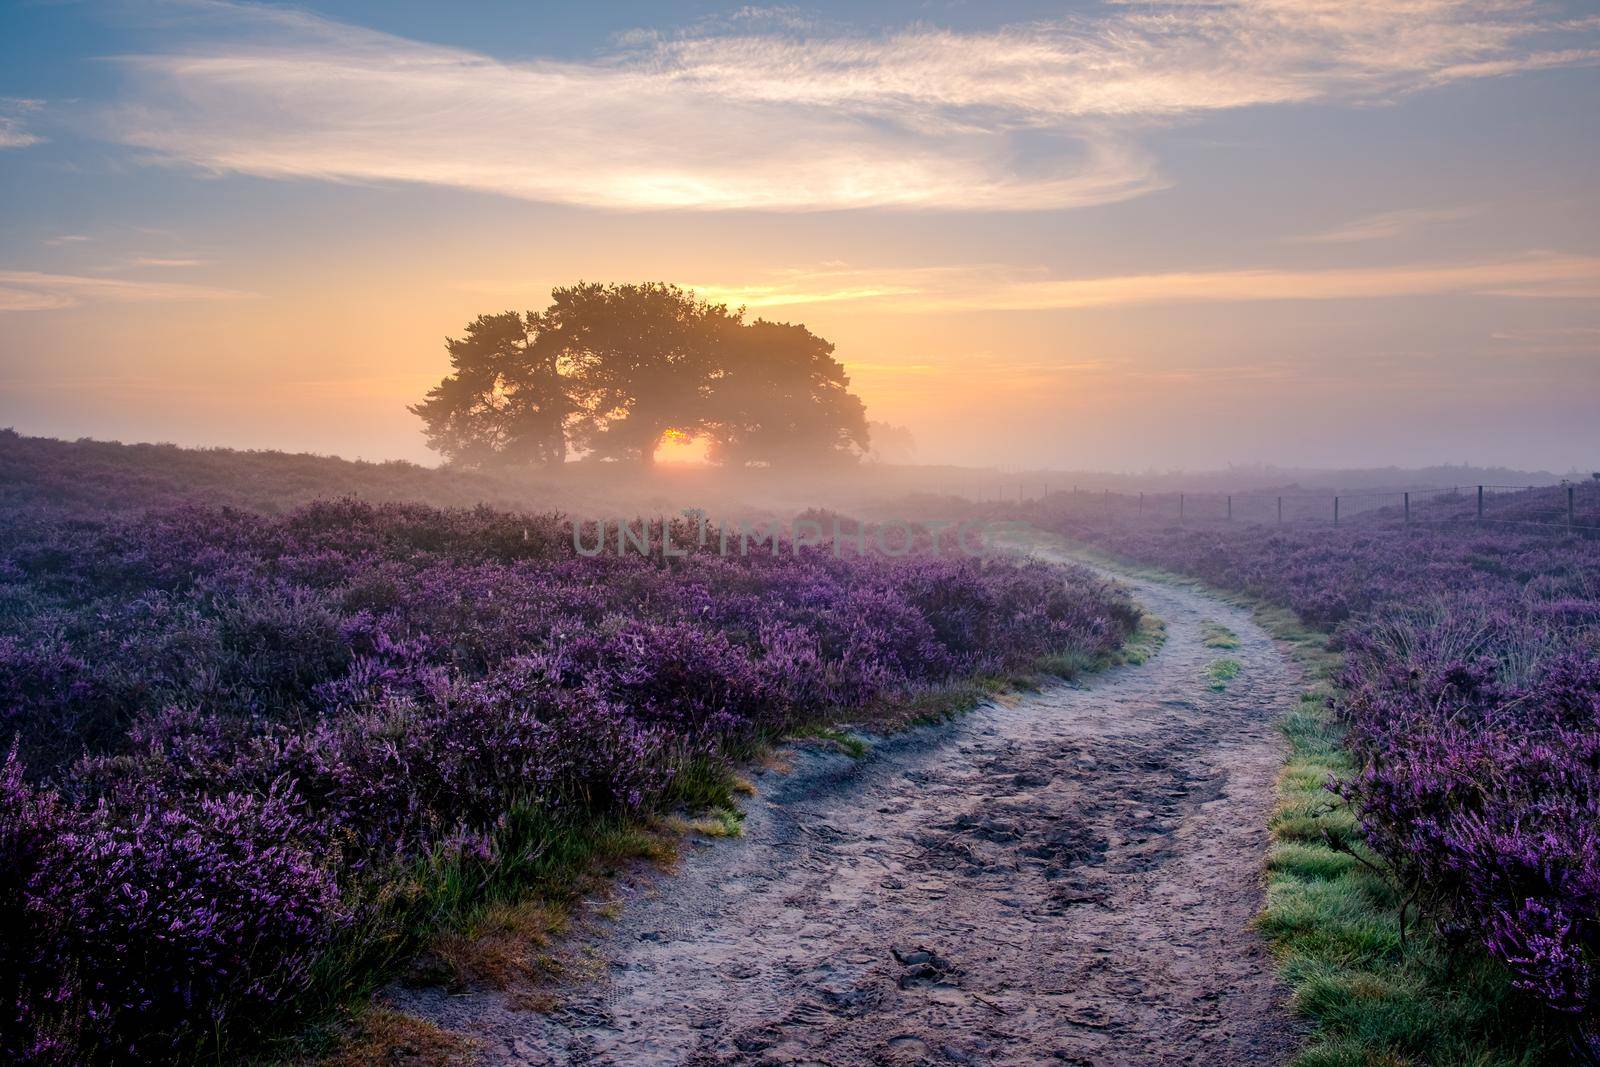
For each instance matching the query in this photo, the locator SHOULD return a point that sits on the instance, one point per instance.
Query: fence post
(1408, 509)
(1280, 511)
(1141, 502)
(1230, 507)
(1480, 503)
(1336, 511)
(1569, 507)
(1180, 507)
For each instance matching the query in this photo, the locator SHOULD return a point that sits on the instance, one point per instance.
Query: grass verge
(932, 706)
(459, 921)
(1372, 999)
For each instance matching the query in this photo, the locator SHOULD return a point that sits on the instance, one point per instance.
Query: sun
(681, 448)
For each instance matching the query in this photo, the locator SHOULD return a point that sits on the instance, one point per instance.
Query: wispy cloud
(1389, 224)
(14, 132)
(165, 261)
(1535, 276)
(1580, 332)
(1497, 68)
(1000, 288)
(1040, 115)
(27, 290)
(839, 283)
(1551, 341)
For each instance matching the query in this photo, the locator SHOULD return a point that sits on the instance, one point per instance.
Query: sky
(1095, 235)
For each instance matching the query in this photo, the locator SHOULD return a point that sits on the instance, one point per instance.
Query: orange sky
(1121, 239)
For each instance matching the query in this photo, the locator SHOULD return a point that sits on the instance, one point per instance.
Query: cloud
(1550, 341)
(990, 287)
(1553, 331)
(27, 290)
(31, 300)
(1388, 224)
(13, 133)
(1039, 115)
(161, 261)
(1497, 68)
(1535, 276)
(843, 284)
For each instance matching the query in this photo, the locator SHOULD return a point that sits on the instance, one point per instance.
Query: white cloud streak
(1000, 288)
(28, 290)
(1034, 116)
(165, 261)
(1388, 224)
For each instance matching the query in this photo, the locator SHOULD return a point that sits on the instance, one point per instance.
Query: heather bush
(240, 739)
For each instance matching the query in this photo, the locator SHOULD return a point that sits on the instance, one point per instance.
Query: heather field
(255, 761)
(712, 534)
(1466, 710)
(270, 747)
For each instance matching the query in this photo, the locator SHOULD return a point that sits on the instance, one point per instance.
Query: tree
(891, 443)
(608, 370)
(643, 359)
(781, 398)
(505, 401)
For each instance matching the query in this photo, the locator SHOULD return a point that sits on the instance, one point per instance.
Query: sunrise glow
(1194, 230)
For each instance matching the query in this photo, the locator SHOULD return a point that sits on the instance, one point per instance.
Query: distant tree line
(608, 371)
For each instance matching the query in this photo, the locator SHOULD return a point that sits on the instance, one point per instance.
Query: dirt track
(1067, 878)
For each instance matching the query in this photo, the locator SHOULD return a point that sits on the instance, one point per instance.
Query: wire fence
(1573, 506)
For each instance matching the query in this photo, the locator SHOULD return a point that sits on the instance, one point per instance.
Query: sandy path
(1068, 878)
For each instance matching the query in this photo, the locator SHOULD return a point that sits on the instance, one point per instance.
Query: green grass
(1223, 671)
(701, 782)
(723, 822)
(1215, 635)
(1333, 922)
(854, 745)
(1145, 642)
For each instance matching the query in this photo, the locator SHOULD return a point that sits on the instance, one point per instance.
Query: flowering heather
(1471, 696)
(232, 736)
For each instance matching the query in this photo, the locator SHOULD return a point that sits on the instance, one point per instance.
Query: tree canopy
(782, 397)
(606, 371)
(506, 399)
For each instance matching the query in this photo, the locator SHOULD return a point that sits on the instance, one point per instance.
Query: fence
(1571, 506)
